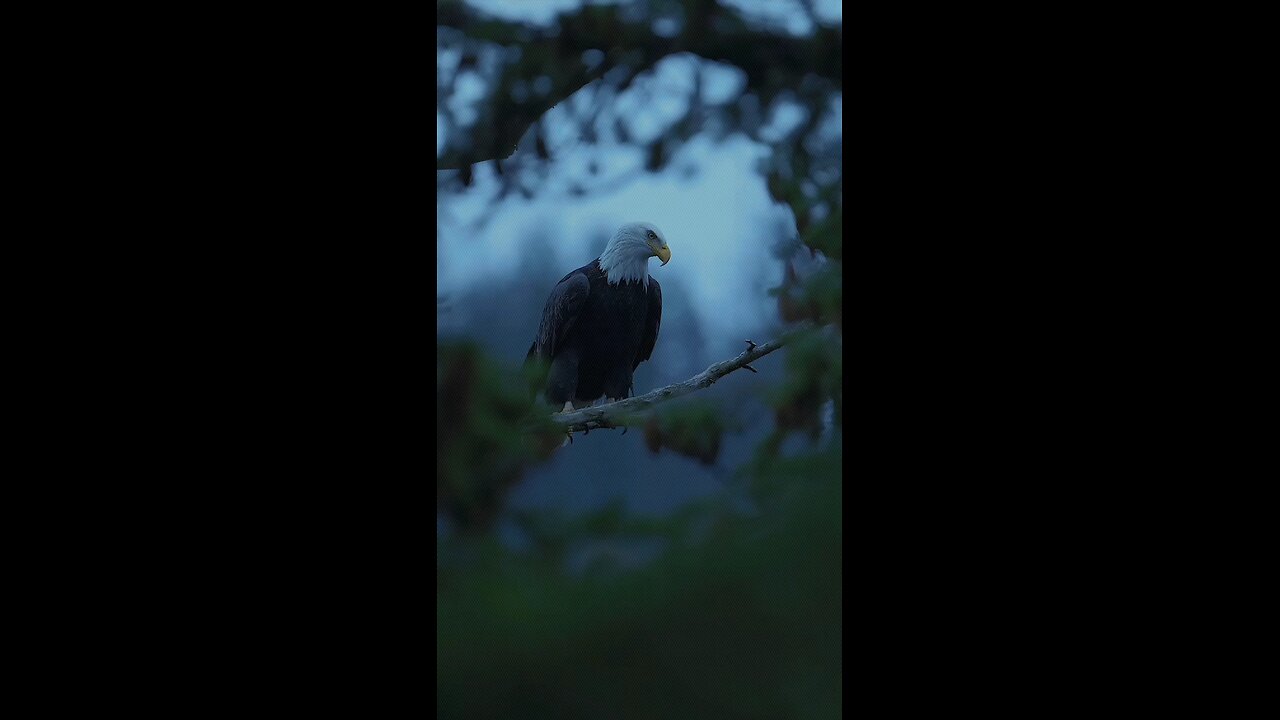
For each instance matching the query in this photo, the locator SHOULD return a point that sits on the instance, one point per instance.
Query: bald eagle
(602, 320)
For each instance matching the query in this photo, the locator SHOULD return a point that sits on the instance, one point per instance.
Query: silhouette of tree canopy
(503, 77)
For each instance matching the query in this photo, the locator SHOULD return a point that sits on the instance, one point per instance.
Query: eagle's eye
(652, 236)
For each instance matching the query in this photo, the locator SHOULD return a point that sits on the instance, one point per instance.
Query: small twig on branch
(617, 414)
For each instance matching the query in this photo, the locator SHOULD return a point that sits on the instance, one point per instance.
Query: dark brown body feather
(594, 335)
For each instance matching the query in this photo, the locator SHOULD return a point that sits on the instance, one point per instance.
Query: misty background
(720, 122)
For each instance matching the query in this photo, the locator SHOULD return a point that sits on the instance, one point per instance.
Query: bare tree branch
(617, 414)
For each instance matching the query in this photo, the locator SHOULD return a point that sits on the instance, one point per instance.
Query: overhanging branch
(771, 60)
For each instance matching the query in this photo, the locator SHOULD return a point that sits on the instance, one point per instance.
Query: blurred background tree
(690, 568)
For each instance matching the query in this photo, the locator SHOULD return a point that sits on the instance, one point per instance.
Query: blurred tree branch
(617, 414)
(771, 59)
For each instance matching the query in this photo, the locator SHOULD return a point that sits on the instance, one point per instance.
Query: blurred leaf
(690, 428)
(657, 159)
(745, 624)
(814, 376)
(486, 436)
(825, 236)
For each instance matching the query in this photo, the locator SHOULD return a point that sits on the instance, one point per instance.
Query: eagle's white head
(626, 257)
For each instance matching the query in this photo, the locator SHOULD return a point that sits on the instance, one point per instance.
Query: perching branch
(616, 414)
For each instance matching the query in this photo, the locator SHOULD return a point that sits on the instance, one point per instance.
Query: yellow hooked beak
(663, 254)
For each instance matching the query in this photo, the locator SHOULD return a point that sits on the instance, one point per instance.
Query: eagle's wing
(559, 315)
(652, 319)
